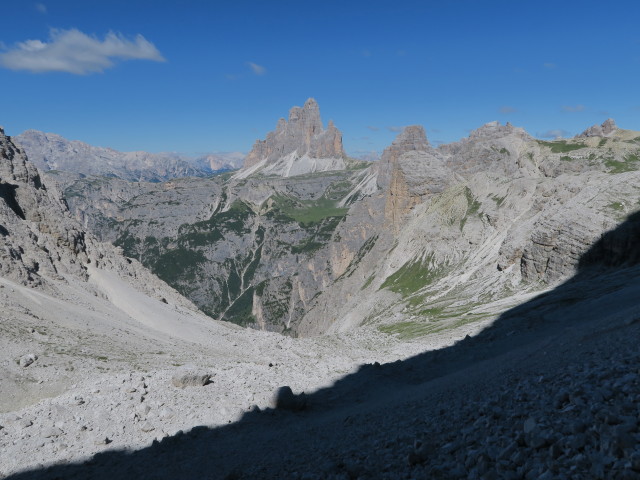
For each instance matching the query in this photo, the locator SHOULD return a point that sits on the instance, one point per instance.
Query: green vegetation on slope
(305, 212)
(561, 146)
(412, 276)
(630, 163)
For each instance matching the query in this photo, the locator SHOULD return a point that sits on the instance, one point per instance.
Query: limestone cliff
(297, 146)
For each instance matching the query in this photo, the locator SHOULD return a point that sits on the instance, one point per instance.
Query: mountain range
(51, 152)
(477, 299)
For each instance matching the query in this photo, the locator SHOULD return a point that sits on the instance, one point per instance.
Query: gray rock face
(220, 161)
(297, 146)
(49, 151)
(607, 128)
(184, 379)
(28, 359)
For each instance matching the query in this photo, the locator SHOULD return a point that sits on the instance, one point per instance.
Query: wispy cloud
(558, 133)
(257, 69)
(395, 129)
(75, 52)
(505, 109)
(573, 108)
(41, 7)
(366, 53)
(373, 128)
(549, 65)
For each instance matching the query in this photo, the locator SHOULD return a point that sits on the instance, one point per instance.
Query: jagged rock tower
(298, 146)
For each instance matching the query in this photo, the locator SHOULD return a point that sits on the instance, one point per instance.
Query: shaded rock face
(300, 140)
(49, 151)
(607, 128)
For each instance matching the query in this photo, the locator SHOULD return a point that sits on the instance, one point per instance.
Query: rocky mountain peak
(297, 146)
(308, 116)
(411, 138)
(495, 130)
(605, 129)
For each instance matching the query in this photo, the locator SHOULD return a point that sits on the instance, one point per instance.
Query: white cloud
(373, 128)
(573, 108)
(257, 69)
(505, 109)
(41, 7)
(558, 133)
(549, 65)
(75, 52)
(395, 129)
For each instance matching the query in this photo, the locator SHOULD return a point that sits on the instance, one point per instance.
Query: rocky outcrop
(49, 151)
(297, 146)
(394, 180)
(412, 138)
(606, 129)
(41, 244)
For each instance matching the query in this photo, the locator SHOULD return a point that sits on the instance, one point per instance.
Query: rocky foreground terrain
(549, 390)
(477, 305)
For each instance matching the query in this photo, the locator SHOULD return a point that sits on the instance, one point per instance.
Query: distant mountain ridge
(49, 151)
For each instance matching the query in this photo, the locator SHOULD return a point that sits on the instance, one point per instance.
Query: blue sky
(200, 76)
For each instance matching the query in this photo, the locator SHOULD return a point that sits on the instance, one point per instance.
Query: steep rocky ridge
(49, 151)
(298, 146)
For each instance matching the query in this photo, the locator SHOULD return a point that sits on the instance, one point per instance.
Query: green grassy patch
(566, 158)
(368, 282)
(629, 164)
(498, 199)
(561, 146)
(234, 220)
(411, 277)
(419, 328)
(617, 206)
(240, 311)
(306, 212)
(473, 207)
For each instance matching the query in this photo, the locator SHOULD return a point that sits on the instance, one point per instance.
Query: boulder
(184, 379)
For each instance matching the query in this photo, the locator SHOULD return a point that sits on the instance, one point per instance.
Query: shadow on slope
(605, 288)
